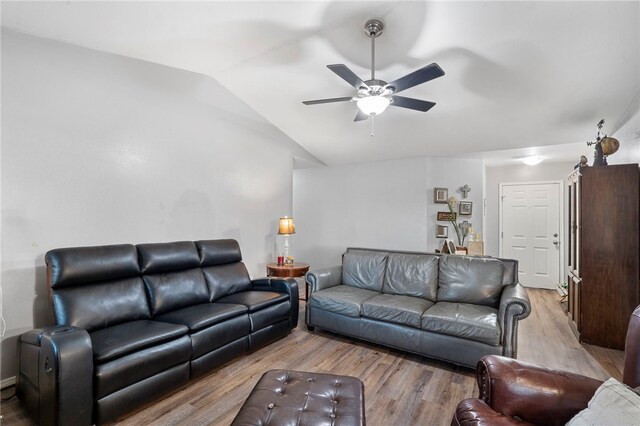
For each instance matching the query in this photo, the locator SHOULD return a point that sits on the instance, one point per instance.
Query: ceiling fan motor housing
(373, 28)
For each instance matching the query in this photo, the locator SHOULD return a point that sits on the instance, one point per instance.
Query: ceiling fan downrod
(373, 29)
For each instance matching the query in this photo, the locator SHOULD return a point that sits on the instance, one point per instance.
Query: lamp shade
(286, 226)
(373, 105)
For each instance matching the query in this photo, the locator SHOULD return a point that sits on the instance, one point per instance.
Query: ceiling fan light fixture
(373, 105)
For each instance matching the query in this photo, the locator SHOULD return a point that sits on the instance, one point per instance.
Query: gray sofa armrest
(324, 278)
(55, 375)
(514, 306)
(281, 285)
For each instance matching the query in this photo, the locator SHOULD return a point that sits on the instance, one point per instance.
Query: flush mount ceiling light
(530, 160)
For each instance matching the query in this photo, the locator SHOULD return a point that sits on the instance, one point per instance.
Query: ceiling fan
(374, 96)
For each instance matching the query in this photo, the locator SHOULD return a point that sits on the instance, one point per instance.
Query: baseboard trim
(8, 382)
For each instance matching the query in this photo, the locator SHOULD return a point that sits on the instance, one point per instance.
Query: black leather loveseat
(134, 322)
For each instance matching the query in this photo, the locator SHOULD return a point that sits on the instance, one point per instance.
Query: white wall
(453, 174)
(386, 204)
(543, 172)
(101, 149)
(629, 137)
(378, 205)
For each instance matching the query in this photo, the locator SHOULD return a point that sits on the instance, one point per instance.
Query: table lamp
(286, 228)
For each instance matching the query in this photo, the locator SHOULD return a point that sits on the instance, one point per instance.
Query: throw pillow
(613, 404)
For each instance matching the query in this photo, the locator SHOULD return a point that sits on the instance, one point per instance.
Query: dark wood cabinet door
(608, 252)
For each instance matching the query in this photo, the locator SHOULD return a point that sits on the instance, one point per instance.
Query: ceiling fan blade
(420, 76)
(411, 103)
(347, 75)
(326, 101)
(361, 116)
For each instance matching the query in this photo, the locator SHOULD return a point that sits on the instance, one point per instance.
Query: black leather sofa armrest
(514, 306)
(324, 278)
(281, 285)
(55, 375)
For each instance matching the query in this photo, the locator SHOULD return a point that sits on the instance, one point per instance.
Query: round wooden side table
(298, 269)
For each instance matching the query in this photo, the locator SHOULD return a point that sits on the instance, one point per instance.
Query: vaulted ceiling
(518, 74)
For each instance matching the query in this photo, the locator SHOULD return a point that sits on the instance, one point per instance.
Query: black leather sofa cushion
(202, 316)
(176, 290)
(255, 300)
(473, 322)
(119, 340)
(83, 265)
(226, 279)
(405, 310)
(218, 252)
(129, 369)
(95, 306)
(157, 258)
(218, 335)
(412, 275)
(465, 279)
(270, 315)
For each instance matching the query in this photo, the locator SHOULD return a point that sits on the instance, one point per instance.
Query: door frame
(561, 185)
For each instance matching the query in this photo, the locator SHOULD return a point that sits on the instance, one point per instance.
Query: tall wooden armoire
(604, 252)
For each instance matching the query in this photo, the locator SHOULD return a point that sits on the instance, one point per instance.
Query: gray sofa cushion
(412, 275)
(467, 279)
(405, 310)
(341, 299)
(364, 269)
(472, 322)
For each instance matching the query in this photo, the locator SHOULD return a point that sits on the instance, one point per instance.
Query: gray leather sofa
(453, 308)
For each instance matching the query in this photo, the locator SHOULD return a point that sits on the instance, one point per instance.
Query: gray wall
(386, 204)
(100, 149)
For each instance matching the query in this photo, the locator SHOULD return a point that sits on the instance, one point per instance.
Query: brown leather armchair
(518, 393)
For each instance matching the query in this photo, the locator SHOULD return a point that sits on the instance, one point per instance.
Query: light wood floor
(400, 389)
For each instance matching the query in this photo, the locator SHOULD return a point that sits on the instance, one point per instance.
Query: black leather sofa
(135, 322)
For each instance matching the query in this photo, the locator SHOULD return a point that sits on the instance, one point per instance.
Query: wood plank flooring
(400, 389)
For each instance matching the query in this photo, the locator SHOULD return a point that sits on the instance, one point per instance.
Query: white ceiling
(518, 74)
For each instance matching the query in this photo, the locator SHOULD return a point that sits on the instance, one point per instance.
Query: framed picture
(442, 231)
(464, 208)
(448, 216)
(440, 195)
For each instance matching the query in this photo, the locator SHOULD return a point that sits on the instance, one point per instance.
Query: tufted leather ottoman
(294, 398)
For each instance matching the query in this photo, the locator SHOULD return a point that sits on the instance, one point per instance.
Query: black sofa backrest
(96, 287)
(224, 272)
(172, 275)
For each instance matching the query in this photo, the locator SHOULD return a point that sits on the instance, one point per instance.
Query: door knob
(555, 235)
(555, 243)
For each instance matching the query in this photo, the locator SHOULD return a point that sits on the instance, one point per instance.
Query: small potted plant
(461, 232)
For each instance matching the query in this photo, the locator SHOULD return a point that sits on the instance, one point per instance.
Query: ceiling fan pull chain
(372, 118)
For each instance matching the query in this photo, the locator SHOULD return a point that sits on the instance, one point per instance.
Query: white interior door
(530, 231)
